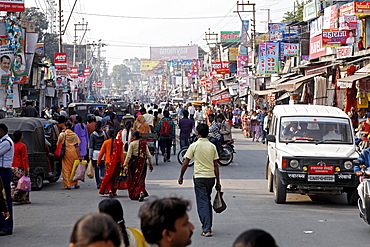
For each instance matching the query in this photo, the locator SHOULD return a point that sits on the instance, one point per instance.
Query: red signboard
(86, 71)
(316, 49)
(322, 169)
(344, 51)
(348, 22)
(73, 72)
(355, 8)
(99, 84)
(12, 5)
(60, 60)
(220, 68)
(335, 37)
(222, 98)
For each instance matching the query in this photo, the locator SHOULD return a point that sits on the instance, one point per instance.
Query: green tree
(50, 40)
(121, 74)
(296, 14)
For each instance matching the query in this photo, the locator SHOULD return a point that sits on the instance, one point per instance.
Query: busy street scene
(173, 124)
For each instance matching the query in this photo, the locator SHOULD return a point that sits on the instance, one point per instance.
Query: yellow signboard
(233, 53)
(148, 65)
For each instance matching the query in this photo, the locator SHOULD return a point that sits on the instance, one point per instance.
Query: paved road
(48, 221)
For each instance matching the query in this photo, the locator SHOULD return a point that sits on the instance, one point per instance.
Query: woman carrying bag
(136, 167)
(19, 168)
(72, 154)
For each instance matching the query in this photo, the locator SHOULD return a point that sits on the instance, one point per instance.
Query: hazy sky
(129, 28)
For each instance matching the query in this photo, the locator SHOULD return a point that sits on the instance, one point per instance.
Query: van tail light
(283, 164)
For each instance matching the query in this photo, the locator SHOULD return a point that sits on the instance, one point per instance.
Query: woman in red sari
(112, 149)
(136, 167)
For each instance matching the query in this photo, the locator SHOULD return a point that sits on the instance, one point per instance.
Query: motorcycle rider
(214, 135)
(225, 128)
(364, 159)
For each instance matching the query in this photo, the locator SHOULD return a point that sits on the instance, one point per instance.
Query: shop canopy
(264, 92)
(293, 85)
(347, 81)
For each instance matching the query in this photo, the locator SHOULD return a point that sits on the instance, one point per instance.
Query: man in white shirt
(191, 111)
(332, 134)
(4, 69)
(6, 160)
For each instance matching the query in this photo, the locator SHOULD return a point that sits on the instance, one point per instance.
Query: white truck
(311, 150)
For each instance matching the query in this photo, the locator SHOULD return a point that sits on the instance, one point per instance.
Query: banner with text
(230, 37)
(243, 49)
(12, 5)
(272, 58)
(174, 52)
(335, 37)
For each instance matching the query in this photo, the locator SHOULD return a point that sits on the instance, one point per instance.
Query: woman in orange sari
(140, 125)
(72, 153)
(112, 150)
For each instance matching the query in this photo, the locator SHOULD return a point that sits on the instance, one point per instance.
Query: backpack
(165, 128)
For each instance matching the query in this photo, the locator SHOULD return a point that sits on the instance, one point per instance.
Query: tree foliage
(296, 14)
(50, 40)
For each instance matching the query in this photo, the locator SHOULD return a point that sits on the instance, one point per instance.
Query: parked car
(40, 136)
(311, 150)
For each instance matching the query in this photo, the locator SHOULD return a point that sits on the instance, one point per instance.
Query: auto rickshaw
(82, 108)
(119, 107)
(40, 136)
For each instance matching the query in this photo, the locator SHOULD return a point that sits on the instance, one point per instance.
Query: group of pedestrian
(164, 222)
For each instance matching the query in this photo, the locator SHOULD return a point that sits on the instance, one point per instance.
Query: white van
(311, 150)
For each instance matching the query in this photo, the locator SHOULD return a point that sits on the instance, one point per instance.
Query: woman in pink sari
(136, 167)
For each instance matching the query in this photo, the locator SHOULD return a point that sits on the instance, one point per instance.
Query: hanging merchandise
(362, 101)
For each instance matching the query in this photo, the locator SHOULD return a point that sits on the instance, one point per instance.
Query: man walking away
(166, 131)
(165, 222)
(205, 172)
(6, 160)
(29, 110)
(191, 110)
(186, 126)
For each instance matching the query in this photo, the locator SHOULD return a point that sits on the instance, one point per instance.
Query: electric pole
(84, 28)
(213, 37)
(60, 27)
(268, 18)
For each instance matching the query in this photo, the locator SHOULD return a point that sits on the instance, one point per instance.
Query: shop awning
(284, 96)
(264, 92)
(354, 77)
(293, 85)
(365, 69)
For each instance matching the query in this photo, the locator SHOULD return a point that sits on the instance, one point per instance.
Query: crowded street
(301, 222)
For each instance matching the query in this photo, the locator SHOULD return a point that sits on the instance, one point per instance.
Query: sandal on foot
(77, 186)
(206, 234)
(141, 197)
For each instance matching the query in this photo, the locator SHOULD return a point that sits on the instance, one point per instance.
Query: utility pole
(268, 18)
(60, 47)
(245, 8)
(84, 28)
(213, 37)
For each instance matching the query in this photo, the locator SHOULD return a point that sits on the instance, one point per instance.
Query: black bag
(219, 204)
(125, 147)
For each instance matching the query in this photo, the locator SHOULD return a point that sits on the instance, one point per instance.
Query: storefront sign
(60, 60)
(355, 8)
(242, 71)
(73, 72)
(99, 84)
(86, 72)
(220, 68)
(282, 32)
(344, 51)
(230, 37)
(316, 48)
(348, 22)
(12, 5)
(174, 52)
(262, 59)
(222, 98)
(233, 53)
(316, 27)
(334, 37)
(330, 17)
(309, 11)
(243, 49)
(289, 50)
(272, 58)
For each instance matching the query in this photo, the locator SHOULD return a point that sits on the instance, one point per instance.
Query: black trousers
(166, 145)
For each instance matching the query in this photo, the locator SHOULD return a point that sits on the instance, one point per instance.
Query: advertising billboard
(12, 5)
(174, 52)
(335, 37)
(230, 37)
(60, 60)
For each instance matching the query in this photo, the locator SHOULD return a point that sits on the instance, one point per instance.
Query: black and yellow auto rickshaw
(40, 136)
(119, 107)
(83, 108)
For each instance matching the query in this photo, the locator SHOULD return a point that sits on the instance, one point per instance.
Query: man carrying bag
(206, 173)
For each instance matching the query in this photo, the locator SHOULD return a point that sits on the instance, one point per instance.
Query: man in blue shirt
(6, 160)
(186, 126)
(261, 118)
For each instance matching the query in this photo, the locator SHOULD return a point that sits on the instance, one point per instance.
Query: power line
(155, 18)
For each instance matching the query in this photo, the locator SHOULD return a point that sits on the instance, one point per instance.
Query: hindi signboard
(174, 52)
(334, 37)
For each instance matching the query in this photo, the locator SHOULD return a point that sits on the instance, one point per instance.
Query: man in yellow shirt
(205, 171)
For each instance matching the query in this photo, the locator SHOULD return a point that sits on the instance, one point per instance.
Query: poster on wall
(335, 37)
(272, 58)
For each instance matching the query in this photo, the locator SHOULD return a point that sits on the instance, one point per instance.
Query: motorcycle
(227, 153)
(364, 200)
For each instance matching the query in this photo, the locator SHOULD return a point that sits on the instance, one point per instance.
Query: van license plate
(321, 178)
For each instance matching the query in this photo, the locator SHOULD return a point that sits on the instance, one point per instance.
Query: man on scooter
(364, 159)
(214, 135)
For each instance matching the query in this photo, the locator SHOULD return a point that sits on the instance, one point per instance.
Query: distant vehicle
(311, 149)
(40, 136)
(176, 101)
(120, 106)
(82, 109)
